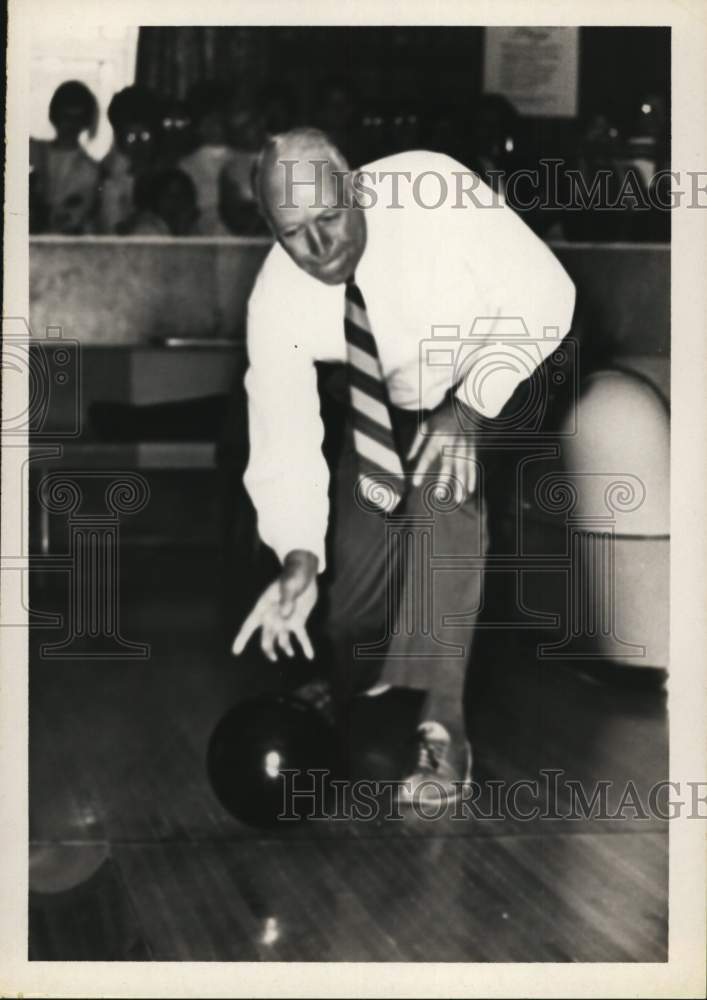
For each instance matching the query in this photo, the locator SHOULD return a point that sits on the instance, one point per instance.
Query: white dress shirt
(428, 276)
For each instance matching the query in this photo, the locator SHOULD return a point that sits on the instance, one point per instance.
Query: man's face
(323, 233)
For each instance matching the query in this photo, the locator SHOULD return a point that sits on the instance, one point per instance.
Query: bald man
(411, 273)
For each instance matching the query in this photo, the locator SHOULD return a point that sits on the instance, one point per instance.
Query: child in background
(63, 177)
(165, 205)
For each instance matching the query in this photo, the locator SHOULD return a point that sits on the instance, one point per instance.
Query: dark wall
(620, 65)
(432, 64)
(393, 68)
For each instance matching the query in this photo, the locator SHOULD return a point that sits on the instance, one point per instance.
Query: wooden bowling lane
(569, 897)
(78, 907)
(117, 761)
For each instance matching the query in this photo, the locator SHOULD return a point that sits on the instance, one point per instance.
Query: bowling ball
(254, 743)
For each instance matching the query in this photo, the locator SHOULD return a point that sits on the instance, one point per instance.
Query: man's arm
(530, 298)
(287, 476)
(501, 287)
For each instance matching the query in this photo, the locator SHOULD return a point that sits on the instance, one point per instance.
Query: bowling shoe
(436, 779)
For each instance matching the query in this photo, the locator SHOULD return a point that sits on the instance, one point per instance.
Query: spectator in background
(599, 166)
(165, 205)
(208, 104)
(63, 177)
(134, 116)
(176, 132)
(246, 135)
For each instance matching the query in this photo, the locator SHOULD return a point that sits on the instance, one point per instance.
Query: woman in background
(64, 179)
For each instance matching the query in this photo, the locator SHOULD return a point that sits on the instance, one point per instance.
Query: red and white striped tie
(380, 481)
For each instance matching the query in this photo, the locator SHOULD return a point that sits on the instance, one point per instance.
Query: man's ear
(348, 189)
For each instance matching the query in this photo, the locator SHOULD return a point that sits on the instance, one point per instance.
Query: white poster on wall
(535, 68)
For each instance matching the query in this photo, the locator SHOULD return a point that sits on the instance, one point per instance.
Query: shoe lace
(428, 755)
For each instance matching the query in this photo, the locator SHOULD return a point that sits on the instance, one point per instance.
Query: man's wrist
(301, 560)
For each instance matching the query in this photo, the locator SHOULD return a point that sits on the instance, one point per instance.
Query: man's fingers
(240, 642)
(443, 479)
(254, 620)
(273, 615)
(446, 470)
(301, 633)
(247, 628)
(267, 643)
(470, 476)
(467, 472)
(284, 642)
(460, 475)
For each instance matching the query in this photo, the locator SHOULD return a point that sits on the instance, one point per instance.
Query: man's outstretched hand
(283, 608)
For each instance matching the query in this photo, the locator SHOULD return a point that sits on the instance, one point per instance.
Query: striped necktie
(380, 481)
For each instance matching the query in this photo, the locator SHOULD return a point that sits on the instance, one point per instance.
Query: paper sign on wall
(535, 68)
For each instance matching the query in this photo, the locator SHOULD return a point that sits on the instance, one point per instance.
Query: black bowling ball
(254, 743)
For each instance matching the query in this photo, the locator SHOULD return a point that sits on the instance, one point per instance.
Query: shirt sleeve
(524, 310)
(287, 476)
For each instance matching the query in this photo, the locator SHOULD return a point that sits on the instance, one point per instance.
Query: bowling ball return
(252, 746)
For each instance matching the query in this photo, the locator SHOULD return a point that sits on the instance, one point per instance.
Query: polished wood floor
(132, 857)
